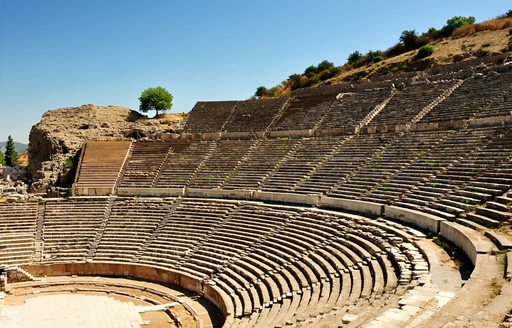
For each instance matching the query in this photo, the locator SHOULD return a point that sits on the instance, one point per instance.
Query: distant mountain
(20, 147)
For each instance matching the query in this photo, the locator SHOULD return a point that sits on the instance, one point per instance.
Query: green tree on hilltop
(11, 156)
(158, 99)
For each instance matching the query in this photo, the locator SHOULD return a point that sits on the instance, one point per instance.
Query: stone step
(483, 220)
(442, 214)
(502, 241)
(447, 208)
(497, 206)
(505, 200)
(471, 224)
(494, 214)
(473, 194)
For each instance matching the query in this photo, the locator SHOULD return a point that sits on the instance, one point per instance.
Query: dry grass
(445, 52)
(171, 117)
(489, 25)
(23, 159)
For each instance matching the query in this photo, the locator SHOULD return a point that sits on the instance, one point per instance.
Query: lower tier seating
(279, 264)
(17, 232)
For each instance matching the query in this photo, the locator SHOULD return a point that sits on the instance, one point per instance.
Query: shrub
(328, 73)
(454, 23)
(261, 92)
(2, 158)
(354, 57)
(69, 162)
(374, 56)
(325, 65)
(311, 70)
(409, 39)
(395, 50)
(494, 24)
(377, 59)
(509, 13)
(424, 52)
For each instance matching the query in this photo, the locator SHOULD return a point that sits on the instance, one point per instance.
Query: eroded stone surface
(62, 132)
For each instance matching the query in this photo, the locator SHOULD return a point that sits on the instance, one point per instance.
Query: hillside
(461, 39)
(485, 43)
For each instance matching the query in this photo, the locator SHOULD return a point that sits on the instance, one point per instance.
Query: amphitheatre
(382, 203)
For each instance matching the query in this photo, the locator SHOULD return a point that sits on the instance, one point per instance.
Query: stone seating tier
(144, 163)
(101, 164)
(254, 115)
(479, 96)
(407, 103)
(209, 116)
(267, 258)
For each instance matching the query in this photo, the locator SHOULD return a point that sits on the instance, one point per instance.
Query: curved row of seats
(446, 173)
(279, 264)
(456, 95)
(17, 232)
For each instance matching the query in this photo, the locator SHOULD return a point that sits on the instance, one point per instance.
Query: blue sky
(60, 53)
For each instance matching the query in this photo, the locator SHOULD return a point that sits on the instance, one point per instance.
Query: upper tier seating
(254, 115)
(259, 162)
(306, 108)
(349, 156)
(209, 116)
(353, 107)
(407, 103)
(479, 96)
(297, 165)
(472, 93)
(399, 153)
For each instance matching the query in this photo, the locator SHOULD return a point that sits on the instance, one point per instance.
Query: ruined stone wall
(56, 139)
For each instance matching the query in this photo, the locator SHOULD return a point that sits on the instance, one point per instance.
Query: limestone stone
(62, 132)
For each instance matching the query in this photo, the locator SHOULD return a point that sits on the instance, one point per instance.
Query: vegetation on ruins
(157, 99)
(409, 40)
(2, 158)
(312, 75)
(11, 156)
(424, 52)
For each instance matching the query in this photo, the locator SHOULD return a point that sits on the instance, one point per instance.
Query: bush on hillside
(454, 23)
(424, 52)
(509, 13)
(374, 56)
(377, 59)
(354, 57)
(409, 39)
